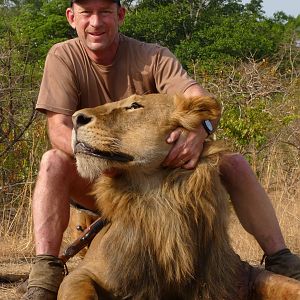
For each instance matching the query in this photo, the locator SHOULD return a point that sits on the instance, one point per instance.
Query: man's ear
(70, 17)
(190, 112)
(121, 15)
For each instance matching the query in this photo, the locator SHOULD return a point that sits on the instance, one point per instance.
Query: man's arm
(188, 145)
(60, 131)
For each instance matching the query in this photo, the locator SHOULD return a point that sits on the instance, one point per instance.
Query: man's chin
(95, 46)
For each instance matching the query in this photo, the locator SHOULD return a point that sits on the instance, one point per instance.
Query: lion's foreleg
(77, 287)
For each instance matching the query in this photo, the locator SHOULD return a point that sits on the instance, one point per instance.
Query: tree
(255, 8)
(41, 24)
(207, 33)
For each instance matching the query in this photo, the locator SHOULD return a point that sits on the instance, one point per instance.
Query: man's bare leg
(251, 203)
(57, 181)
(257, 215)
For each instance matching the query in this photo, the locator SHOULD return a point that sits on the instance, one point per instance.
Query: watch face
(208, 125)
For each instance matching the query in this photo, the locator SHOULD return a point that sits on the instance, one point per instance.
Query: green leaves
(246, 124)
(162, 25)
(40, 25)
(207, 33)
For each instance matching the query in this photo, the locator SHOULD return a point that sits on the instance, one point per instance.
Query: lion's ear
(189, 112)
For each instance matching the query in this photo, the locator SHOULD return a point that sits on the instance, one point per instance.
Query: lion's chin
(91, 167)
(112, 172)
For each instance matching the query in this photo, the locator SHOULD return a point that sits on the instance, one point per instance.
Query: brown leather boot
(284, 262)
(38, 293)
(45, 277)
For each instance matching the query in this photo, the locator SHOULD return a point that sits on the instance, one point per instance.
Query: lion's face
(131, 133)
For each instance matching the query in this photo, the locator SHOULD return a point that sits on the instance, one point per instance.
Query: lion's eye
(134, 105)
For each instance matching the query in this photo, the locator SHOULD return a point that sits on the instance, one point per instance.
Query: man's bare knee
(56, 163)
(235, 170)
(58, 173)
(234, 164)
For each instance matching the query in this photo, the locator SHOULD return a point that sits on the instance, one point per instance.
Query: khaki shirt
(72, 81)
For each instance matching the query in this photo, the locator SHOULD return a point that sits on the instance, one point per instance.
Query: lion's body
(167, 236)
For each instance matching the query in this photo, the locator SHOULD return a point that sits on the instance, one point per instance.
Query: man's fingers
(178, 137)
(180, 162)
(174, 135)
(172, 157)
(186, 149)
(191, 164)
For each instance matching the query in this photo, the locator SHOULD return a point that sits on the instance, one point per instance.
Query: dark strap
(84, 240)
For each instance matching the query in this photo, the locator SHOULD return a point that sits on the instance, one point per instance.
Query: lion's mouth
(116, 156)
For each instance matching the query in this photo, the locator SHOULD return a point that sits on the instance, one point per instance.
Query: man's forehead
(81, 1)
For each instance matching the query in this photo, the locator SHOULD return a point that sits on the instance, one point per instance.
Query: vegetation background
(249, 61)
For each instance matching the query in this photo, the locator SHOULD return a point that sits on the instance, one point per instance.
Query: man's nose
(95, 20)
(81, 119)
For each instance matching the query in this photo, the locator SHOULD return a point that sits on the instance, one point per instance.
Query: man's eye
(105, 12)
(85, 12)
(134, 105)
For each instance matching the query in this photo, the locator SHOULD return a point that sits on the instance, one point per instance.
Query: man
(100, 66)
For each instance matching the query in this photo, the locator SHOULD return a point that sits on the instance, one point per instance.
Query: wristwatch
(208, 126)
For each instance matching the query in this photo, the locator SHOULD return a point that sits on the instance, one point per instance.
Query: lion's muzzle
(116, 156)
(80, 145)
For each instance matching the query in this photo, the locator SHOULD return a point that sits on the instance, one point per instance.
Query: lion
(167, 232)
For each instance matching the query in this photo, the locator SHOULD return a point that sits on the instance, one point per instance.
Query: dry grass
(17, 251)
(282, 182)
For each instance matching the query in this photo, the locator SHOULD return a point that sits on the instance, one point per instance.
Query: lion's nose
(81, 120)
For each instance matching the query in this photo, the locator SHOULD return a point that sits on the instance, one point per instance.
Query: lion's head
(131, 133)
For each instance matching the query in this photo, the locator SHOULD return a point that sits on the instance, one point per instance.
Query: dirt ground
(15, 267)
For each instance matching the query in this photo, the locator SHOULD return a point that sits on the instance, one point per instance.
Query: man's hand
(187, 147)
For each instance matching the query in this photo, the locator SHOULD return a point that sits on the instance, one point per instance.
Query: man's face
(96, 22)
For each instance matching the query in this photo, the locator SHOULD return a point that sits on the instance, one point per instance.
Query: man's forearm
(60, 132)
(62, 141)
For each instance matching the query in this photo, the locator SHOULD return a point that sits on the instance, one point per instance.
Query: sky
(290, 7)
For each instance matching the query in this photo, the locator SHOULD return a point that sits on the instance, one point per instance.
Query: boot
(284, 262)
(46, 275)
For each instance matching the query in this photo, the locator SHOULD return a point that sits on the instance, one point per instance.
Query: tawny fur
(167, 237)
(80, 220)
